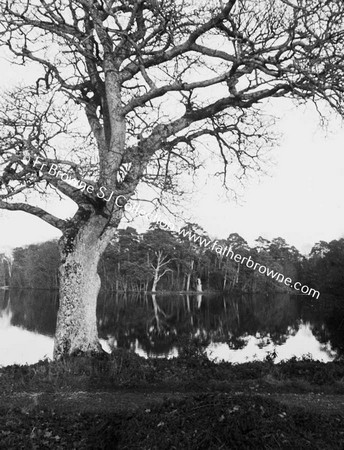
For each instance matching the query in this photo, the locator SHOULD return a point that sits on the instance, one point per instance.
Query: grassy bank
(126, 402)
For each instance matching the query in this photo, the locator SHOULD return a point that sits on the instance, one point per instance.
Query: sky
(299, 199)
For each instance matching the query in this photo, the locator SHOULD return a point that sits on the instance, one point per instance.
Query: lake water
(235, 328)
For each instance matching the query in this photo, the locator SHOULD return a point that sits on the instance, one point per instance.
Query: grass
(184, 403)
(207, 421)
(191, 371)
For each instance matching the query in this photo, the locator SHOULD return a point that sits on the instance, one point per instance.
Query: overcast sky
(300, 199)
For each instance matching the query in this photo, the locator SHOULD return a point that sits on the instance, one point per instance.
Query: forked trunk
(155, 280)
(76, 329)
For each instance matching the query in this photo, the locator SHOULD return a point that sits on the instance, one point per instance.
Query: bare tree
(158, 266)
(155, 79)
(159, 245)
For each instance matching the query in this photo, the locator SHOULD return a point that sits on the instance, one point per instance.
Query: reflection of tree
(137, 322)
(159, 324)
(327, 322)
(4, 299)
(5, 304)
(276, 316)
(155, 324)
(244, 315)
(34, 310)
(236, 343)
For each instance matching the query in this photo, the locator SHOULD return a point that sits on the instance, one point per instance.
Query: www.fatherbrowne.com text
(227, 251)
(122, 201)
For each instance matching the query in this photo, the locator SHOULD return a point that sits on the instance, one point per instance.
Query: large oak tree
(155, 79)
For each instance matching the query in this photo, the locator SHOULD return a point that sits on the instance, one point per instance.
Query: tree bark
(76, 329)
(188, 278)
(155, 281)
(160, 263)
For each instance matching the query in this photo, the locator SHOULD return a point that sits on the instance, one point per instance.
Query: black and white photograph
(171, 224)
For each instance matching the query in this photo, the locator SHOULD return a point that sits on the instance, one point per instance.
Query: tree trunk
(160, 263)
(118, 275)
(156, 279)
(225, 280)
(188, 278)
(237, 274)
(76, 329)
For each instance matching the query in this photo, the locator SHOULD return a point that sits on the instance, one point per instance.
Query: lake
(236, 328)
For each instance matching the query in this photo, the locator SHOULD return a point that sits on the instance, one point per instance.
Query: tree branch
(131, 69)
(35, 211)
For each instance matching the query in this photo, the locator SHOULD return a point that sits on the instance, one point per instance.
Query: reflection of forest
(158, 324)
(32, 310)
(328, 324)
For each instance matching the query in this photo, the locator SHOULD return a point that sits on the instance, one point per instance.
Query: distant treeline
(163, 261)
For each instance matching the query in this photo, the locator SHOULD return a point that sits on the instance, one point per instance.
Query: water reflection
(235, 328)
(17, 344)
(255, 348)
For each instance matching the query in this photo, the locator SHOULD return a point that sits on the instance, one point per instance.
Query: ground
(123, 401)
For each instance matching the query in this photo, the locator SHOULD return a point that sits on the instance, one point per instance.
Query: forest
(159, 260)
